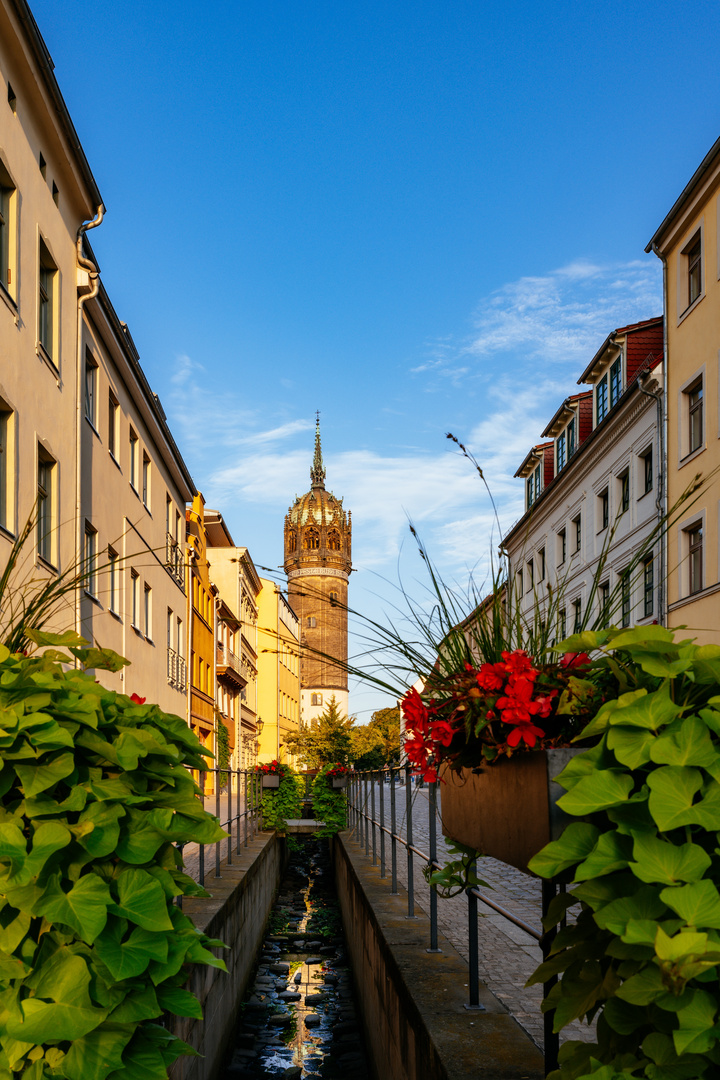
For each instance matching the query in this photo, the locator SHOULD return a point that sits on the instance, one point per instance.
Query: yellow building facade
(201, 623)
(688, 243)
(278, 673)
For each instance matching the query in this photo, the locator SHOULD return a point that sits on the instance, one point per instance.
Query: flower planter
(270, 780)
(508, 810)
(339, 781)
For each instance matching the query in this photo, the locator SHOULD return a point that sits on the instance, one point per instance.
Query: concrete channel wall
(412, 1002)
(237, 914)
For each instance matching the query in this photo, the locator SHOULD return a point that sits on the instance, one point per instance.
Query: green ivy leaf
(84, 907)
(672, 790)
(688, 744)
(643, 988)
(127, 959)
(139, 1005)
(696, 1034)
(698, 903)
(36, 778)
(646, 903)
(651, 711)
(180, 1002)
(598, 791)
(44, 1021)
(575, 844)
(93, 1056)
(611, 853)
(631, 745)
(665, 863)
(141, 900)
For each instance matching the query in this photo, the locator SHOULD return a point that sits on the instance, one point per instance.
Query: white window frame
(147, 611)
(684, 529)
(48, 305)
(90, 560)
(135, 599)
(134, 458)
(685, 455)
(47, 491)
(113, 426)
(91, 389)
(113, 581)
(8, 484)
(684, 308)
(8, 233)
(146, 479)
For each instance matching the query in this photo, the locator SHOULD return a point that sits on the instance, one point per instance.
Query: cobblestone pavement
(507, 955)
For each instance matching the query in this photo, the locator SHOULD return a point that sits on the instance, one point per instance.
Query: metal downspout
(94, 275)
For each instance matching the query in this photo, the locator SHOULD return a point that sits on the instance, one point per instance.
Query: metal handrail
(365, 825)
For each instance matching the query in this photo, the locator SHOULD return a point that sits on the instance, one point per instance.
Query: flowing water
(298, 1018)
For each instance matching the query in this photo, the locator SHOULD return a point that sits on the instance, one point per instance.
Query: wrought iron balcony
(174, 560)
(229, 663)
(176, 670)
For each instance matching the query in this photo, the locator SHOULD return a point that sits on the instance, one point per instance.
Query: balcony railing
(174, 561)
(176, 670)
(229, 660)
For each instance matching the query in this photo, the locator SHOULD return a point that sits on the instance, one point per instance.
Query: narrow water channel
(298, 1018)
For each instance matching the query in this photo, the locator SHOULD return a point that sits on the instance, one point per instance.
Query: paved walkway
(507, 955)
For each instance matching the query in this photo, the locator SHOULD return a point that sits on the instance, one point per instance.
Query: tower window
(312, 539)
(334, 540)
(311, 621)
(316, 699)
(333, 598)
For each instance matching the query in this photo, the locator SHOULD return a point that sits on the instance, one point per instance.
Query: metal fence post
(365, 815)
(217, 815)
(229, 812)
(237, 807)
(432, 832)
(552, 1038)
(201, 860)
(393, 830)
(409, 838)
(382, 824)
(473, 944)
(372, 815)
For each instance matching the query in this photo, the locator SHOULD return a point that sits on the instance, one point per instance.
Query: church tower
(318, 565)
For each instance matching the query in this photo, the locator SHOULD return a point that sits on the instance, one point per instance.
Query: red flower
(527, 732)
(138, 700)
(489, 678)
(575, 660)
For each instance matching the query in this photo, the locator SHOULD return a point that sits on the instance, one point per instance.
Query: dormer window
(571, 438)
(615, 382)
(561, 451)
(601, 400)
(533, 486)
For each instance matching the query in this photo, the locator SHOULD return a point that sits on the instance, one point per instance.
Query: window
(560, 450)
(316, 699)
(562, 547)
(90, 560)
(6, 466)
(113, 425)
(7, 230)
(625, 598)
(333, 598)
(615, 382)
(531, 575)
(604, 602)
(647, 470)
(46, 468)
(91, 377)
(562, 624)
(147, 611)
(311, 621)
(133, 459)
(56, 193)
(114, 582)
(519, 578)
(577, 522)
(624, 492)
(311, 539)
(168, 515)
(695, 416)
(648, 587)
(12, 99)
(43, 165)
(576, 617)
(604, 501)
(47, 302)
(571, 439)
(693, 254)
(541, 558)
(601, 400)
(135, 598)
(333, 540)
(146, 480)
(695, 558)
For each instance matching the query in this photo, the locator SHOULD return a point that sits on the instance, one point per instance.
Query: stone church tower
(318, 565)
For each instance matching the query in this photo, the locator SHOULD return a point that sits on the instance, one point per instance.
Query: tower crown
(317, 472)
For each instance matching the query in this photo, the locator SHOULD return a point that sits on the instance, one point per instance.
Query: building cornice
(318, 571)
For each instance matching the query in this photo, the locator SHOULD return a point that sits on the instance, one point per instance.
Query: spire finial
(317, 473)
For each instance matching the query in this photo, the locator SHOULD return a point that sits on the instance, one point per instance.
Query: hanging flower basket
(339, 781)
(507, 810)
(271, 780)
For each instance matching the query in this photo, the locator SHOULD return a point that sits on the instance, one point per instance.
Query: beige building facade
(278, 673)
(688, 243)
(84, 441)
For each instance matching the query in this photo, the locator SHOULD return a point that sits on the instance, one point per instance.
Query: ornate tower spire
(317, 473)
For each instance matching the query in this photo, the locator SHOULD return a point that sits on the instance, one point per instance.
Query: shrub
(643, 955)
(329, 803)
(280, 804)
(95, 794)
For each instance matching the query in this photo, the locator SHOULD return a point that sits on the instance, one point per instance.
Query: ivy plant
(280, 804)
(642, 958)
(95, 796)
(329, 803)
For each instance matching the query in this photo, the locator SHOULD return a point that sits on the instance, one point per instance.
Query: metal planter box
(270, 780)
(339, 781)
(508, 810)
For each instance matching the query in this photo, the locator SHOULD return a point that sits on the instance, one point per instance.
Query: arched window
(311, 540)
(312, 621)
(316, 699)
(292, 541)
(333, 598)
(334, 540)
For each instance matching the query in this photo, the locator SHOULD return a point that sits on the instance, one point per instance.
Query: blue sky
(416, 217)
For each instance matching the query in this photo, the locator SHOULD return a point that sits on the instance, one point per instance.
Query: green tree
(386, 722)
(368, 750)
(326, 740)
